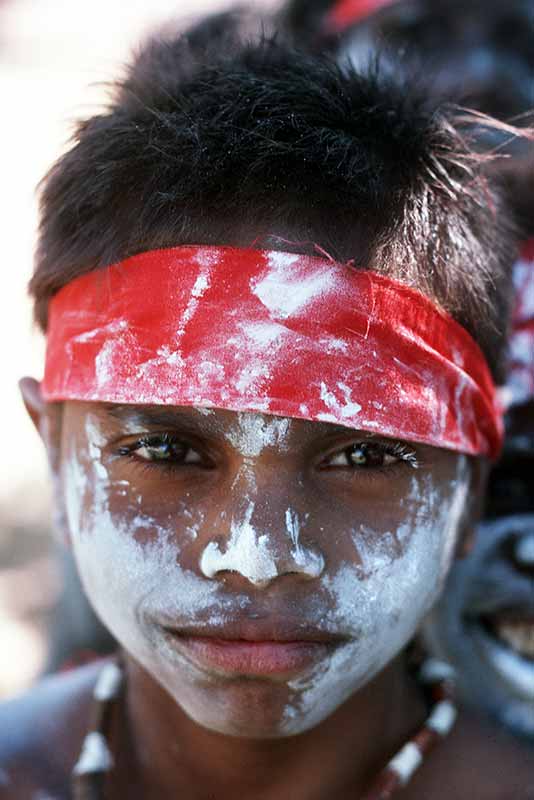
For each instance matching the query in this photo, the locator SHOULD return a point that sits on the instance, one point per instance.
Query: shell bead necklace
(436, 677)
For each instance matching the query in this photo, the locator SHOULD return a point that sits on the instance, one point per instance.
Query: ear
(47, 419)
(474, 507)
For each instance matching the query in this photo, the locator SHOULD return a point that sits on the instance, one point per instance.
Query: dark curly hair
(210, 139)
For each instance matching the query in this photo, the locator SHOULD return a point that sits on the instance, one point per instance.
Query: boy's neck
(170, 754)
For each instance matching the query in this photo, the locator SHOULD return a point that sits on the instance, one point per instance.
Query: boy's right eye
(163, 448)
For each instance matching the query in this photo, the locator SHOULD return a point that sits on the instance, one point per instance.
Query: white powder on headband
(170, 356)
(202, 283)
(259, 335)
(110, 350)
(284, 291)
(116, 326)
(332, 345)
(344, 407)
(256, 348)
(104, 362)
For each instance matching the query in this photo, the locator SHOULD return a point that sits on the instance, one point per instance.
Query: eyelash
(399, 451)
(157, 440)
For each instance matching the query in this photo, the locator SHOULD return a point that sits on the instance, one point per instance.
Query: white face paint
(248, 551)
(254, 557)
(128, 582)
(132, 567)
(381, 601)
(252, 433)
(247, 554)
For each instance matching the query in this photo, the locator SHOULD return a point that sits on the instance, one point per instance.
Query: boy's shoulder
(41, 734)
(478, 761)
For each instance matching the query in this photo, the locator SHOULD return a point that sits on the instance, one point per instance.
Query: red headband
(284, 334)
(349, 12)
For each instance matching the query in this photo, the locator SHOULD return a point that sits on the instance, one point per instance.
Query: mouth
(252, 650)
(507, 640)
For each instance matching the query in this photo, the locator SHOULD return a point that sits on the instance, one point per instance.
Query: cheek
(131, 564)
(380, 598)
(400, 568)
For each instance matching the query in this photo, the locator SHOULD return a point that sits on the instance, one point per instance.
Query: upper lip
(257, 630)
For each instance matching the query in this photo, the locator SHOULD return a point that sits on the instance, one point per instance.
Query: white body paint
(252, 433)
(246, 553)
(249, 552)
(378, 603)
(128, 582)
(381, 602)
(253, 556)
(307, 560)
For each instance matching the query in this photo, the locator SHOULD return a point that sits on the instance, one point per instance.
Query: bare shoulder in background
(41, 735)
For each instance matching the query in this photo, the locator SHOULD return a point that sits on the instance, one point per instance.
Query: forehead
(272, 428)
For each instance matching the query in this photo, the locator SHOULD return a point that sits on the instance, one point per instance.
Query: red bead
(384, 786)
(425, 739)
(441, 691)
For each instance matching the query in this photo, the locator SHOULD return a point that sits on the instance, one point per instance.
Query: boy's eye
(372, 454)
(163, 448)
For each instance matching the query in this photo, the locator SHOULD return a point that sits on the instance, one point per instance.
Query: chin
(247, 708)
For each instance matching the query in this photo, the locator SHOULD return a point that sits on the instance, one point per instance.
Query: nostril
(523, 552)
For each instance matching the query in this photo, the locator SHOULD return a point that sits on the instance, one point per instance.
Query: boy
(269, 423)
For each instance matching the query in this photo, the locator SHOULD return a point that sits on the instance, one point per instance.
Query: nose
(523, 553)
(260, 556)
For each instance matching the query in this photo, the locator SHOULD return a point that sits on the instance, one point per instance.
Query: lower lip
(251, 658)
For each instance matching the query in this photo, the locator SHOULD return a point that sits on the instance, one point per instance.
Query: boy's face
(261, 569)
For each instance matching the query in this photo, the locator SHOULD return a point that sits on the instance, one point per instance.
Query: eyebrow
(145, 417)
(182, 417)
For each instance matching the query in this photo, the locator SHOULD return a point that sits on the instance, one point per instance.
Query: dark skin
(162, 751)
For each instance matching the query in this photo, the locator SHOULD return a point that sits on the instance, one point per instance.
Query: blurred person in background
(482, 55)
(262, 543)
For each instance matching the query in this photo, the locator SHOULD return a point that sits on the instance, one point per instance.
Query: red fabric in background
(279, 333)
(348, 12)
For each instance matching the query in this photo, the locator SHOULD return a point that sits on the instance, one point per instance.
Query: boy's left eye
(371, 454)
